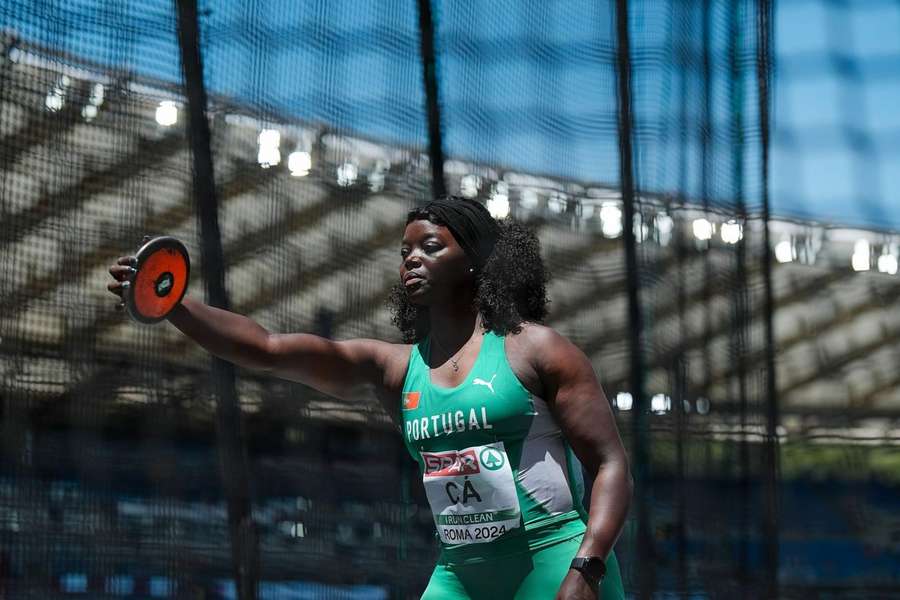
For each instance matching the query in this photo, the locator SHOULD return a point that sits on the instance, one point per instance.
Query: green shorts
(527, 576)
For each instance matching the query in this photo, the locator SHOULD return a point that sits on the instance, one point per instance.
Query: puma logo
(488, 384)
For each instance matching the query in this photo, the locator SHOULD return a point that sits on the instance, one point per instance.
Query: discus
(163, 268)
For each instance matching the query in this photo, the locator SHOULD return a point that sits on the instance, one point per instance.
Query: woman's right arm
(345, 369)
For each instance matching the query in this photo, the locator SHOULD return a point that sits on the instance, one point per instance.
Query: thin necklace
(453, 362)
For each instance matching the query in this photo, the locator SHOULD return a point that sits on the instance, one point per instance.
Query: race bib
(472, 493)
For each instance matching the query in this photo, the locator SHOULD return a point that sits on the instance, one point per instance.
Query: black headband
(471, 224)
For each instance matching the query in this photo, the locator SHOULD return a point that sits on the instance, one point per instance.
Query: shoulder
(550, 353)
(540, 355)
(540, 342)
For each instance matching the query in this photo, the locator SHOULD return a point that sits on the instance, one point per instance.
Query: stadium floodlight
(664, 227)
(97, 94)
(887, 263)
(784, 251)
(731, 232)
(498, 206)
(641, 229)
(611, 219)
(660, 404)
(498, 203)
(297, 530)
(167, 113)
(299, 163)
(469, 185)
(703, 229)
(269, 153)
(624, 401)
(56, 97)
(55, 100)
(861, 260)
(89, 112)
(347, 174)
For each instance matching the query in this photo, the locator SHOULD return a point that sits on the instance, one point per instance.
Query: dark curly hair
(511, 287)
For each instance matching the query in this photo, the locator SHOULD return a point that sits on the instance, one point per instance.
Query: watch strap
(594, 567)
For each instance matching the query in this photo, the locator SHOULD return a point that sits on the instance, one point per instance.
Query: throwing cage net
(748, 351)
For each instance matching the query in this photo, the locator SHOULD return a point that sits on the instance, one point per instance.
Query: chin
(422, 296)
(419, 299)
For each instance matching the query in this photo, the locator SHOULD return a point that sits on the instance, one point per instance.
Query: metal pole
(764, 31)
(232, 453)
(640, 436)
(432, 103)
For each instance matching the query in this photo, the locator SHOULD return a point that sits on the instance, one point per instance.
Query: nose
(412, 260)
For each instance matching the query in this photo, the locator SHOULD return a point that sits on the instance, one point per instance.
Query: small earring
(471, 269)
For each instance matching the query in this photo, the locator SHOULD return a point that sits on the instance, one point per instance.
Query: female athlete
(497, 409)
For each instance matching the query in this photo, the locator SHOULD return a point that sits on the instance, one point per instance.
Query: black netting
(123, 473)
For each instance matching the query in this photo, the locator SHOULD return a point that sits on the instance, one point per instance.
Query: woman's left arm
(584, 415)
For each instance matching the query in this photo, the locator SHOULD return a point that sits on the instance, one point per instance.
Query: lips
(412, 281)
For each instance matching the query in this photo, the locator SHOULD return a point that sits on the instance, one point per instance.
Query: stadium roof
(536, 92)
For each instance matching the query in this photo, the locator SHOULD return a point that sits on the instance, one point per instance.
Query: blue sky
(530, 86)
(837, 111)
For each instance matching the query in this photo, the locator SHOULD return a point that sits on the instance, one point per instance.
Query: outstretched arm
(585, 417)
(343, 369)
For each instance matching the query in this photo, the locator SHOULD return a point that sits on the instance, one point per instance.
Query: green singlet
(504, 487)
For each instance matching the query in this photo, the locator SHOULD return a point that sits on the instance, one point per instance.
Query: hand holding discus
(153, 281)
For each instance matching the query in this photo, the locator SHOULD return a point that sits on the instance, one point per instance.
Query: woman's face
(433, 265)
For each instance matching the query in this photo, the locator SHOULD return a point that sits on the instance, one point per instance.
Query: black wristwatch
(592, 567)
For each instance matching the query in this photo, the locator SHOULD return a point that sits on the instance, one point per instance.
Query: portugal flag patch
(411, 400)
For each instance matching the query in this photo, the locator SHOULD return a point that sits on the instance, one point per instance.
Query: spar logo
(449, 464)
(491, 459)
